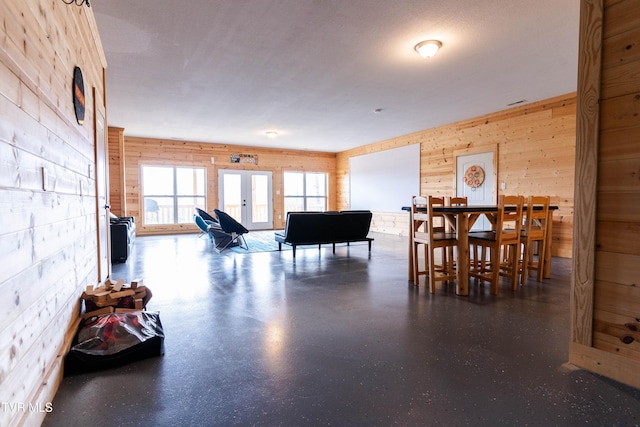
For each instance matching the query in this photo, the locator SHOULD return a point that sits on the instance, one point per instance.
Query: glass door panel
(259, 199)
(232, 196)
(247, 196)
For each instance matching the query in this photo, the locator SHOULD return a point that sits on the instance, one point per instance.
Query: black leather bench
(319, 228)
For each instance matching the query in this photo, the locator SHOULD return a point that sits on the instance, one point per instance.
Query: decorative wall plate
(474, 176)
(78, 95)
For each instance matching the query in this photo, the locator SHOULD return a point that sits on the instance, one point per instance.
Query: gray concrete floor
(262, 339)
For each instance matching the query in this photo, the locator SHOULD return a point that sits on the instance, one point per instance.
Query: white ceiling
(227, 71)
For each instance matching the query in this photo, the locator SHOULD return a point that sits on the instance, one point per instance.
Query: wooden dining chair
(432, 235)
(534, 233)
(503, 245)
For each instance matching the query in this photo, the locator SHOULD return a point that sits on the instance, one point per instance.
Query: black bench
(318, 228)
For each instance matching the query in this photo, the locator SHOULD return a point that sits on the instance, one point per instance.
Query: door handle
(107, 206)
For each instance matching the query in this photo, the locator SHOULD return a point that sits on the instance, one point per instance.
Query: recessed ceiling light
(272, 134)
(428, 48)
(377, 110)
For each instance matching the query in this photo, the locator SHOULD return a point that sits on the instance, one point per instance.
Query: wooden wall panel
(116, 170)
(536, 146)
(605, 306)
(48, 242)
(146, 151)
(618, 334)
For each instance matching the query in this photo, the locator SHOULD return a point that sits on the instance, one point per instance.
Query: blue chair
(217, 236)
(204, 215)
(203, 226)
(233, 228)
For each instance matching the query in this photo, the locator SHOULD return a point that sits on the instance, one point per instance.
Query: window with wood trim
(170, 194)
(305, 191)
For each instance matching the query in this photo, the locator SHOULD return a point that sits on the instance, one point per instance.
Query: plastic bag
(115, 339)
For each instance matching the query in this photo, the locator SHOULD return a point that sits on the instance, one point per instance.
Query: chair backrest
(536, 217)
(457, 201)
(204, 215)
(418, 202)
(228, 224)
(356, 223)
(306, 226)
(327, 226)
(436, 223)
(418, 217)
(200, 223)
(509, 220)
(423, 220)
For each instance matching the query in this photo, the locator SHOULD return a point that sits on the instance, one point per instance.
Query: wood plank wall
(137, 152)
(116, 162)
(48, 243)
(606, 297)
(536, 154)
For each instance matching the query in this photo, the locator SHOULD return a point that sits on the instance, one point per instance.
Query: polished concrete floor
(262, 339)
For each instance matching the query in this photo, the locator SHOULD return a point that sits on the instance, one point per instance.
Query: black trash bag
(115, 339)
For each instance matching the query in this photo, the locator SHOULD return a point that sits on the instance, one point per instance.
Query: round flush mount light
(271, 134)
(428, 48)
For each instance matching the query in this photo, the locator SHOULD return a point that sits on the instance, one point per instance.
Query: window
(170, 194)
(305, 191)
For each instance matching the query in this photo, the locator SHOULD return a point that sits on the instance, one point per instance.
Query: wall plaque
(250, 159)
(78, 95)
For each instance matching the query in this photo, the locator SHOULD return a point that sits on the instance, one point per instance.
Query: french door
(247, 196)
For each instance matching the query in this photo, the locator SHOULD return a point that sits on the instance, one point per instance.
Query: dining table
(463, 218)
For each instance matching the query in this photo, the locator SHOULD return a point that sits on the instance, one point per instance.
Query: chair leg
(416, 278)
(432, 270)
(495, 268)
(524, 271)
(242, 242)
(483, 259)
(474, 259)
(528, 260)
(541, 256)
(416, 262)
(514, 266)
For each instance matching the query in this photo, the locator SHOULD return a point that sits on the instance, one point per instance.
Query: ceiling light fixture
(428, 48)
(272, 134)
(78, 2)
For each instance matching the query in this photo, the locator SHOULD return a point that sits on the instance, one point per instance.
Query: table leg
(462, 269)
(411, 261)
